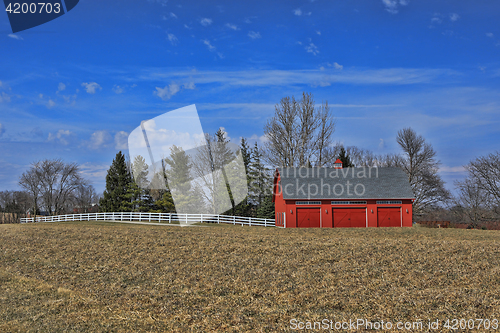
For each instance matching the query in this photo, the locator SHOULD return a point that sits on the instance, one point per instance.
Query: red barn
(342, 197)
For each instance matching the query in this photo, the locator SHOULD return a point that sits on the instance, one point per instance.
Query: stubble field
(106, 277)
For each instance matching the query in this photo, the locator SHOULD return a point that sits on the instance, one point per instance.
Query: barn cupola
(337, 164)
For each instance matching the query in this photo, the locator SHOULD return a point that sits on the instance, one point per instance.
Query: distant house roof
(346, 183)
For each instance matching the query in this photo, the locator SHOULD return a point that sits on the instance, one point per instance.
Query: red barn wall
(373, 211)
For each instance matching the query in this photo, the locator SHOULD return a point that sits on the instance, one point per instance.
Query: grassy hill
(103, 277)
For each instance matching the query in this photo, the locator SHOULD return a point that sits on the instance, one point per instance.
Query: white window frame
(348, 202)
(308, 202)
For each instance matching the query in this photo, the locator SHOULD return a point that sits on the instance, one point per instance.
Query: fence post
(201, 218)
(265, 222)
(218, 219)
(234, 220)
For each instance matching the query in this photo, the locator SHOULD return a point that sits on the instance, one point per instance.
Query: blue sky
(75, 87)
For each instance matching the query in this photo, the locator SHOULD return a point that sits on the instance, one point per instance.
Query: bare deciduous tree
(299, 134)
(13, 205)
(485, 171)
(419, 163)
(31, 181)
(472, 202)
(53, 181)
(85, 197)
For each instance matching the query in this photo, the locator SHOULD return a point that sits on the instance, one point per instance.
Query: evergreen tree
(139, 191)
(140, 171)
(187, 198)
(244, 207)
(344, 157)
(260, 187)
(266, 209)
(165, 204)
(163, 201)
(223, 156)
(246, 154)
(116, 196)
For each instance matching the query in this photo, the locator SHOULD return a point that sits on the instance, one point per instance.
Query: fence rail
(161, 218)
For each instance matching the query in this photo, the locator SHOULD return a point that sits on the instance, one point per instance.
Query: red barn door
(308, 217)
(349, 217)
(389, 217)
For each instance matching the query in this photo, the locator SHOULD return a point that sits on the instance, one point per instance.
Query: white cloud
(162, 135)
(189, 85)
(454, 17)
(311, 48)
(297, 11)
(262, 138)
(121, 140)
(318, 32)
(171, 15)
(490, 34)
(207, 43)
(436, 19)
(4, 97)
(381, 144)
(232, 26)
(117, 89)
(99, 139)
(15, 36)
(62, 136)
(455, 169)
(206, 22)
(91, 87)
(2, 129)
(61, 87)
(94, 172)
(167, 92)
(254, 35)
(261, 78)
(392, 6)
(70, 99)
(337, 66)
(173, 40)
(51, 104)
(187, 26)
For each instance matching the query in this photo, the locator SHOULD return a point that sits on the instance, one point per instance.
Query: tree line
(50, 187)
(301, 135)
(130, 187)
(298, 134)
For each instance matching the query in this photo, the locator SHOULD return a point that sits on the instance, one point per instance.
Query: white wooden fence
(161, 218)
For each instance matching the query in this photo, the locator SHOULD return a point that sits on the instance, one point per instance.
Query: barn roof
(346, 183)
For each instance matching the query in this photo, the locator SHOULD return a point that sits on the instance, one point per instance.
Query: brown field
(104, 277)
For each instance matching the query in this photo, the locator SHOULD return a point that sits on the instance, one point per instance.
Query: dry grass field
(104, 277)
